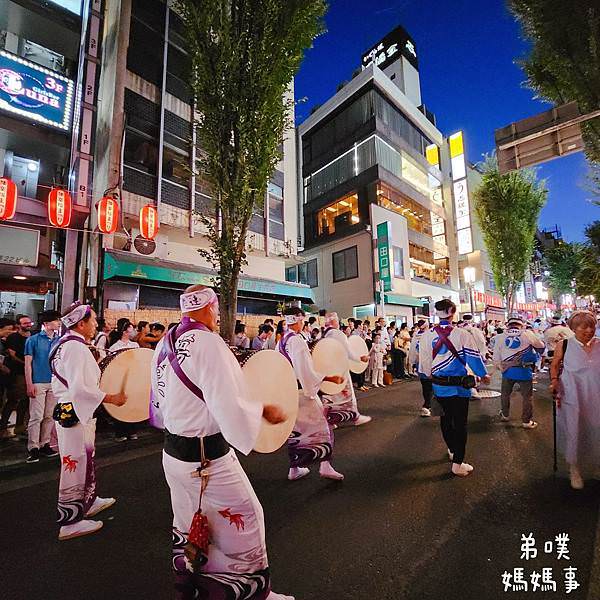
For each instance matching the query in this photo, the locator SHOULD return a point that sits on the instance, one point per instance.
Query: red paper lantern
(8, 199)
(108, 215)
(148, 222)
(59, 207)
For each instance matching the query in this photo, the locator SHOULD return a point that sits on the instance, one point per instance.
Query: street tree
(588, 280)
(564, 63)
(244, 55)
(507, 208)
(563, 263)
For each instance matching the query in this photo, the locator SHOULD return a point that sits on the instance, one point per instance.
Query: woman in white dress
(577, 393)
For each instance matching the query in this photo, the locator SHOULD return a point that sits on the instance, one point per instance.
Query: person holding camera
(445, 352)
(516, 352)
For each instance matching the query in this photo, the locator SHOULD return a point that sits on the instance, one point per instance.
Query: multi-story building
(46, 120)
(372, 159)
(149, 153)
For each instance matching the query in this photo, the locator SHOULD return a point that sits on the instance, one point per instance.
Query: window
(417, 217)
(305, 273)
(275, 190)
(340, 215)
(175, 167)
(291, 274)
(345, 264)
(141, 152)
(423, 265)
(276, 228)
(398, 257)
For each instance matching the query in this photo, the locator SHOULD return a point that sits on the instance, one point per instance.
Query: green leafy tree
(507, 208)
(244, 55)
(564, 63)
(588, 280)
(563, 263)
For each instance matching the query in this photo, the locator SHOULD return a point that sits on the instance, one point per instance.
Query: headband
(81, 311)
(331, 317)
(197, 300)
(292, 319)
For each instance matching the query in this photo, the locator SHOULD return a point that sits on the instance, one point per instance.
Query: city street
(399, 526)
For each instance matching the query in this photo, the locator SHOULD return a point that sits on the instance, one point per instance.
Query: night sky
(467, 51)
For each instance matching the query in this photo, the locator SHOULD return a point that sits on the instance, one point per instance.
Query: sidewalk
(13, 452)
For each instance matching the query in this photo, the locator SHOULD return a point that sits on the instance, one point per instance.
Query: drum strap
(65, 338)
(168, 352)
(283, 345)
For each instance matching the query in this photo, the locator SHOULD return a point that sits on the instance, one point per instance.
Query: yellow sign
(456, 145)
(432, 153)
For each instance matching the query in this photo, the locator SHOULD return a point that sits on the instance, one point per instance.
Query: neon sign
(35, 93)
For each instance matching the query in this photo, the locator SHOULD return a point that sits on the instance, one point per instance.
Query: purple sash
(168, 352)
(444, 340)
(282, 345)
(65, 338)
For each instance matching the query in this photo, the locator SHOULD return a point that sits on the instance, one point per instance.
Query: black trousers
(398, 358)
(427, 387)
(454, 425)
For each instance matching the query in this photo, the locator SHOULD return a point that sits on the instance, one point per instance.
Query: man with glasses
(17, 388)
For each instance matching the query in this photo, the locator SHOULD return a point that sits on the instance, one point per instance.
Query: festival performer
(199, 393)
(75, 384)
(312, 439)
(342, 408)
(445, 352)
(555, 334)
(515, 353)
(413, 357)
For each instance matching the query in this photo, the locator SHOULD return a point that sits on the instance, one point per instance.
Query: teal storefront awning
(402, 300)
(168, 271)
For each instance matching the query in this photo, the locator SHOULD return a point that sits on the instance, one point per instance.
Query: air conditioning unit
(156, 248)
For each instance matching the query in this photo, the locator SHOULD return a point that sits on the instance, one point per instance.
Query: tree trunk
(228, 310)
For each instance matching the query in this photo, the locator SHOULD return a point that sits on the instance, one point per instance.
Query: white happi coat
(478, 338)
(311, 439)
(237, 556)
(75, 363)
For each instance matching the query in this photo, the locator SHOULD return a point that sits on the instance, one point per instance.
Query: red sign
(488, 299)
(59, 207)
(148, 221)
(8, 199)
(108, 215)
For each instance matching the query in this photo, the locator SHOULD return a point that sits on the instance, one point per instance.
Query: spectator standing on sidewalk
(17, 388)
(7, 326)
(38, 378)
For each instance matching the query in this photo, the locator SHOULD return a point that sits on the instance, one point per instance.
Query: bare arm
(555, 371)
(29, 375)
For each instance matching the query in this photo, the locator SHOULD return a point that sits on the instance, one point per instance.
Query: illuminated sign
(460, 191)
(395, 44)
(384, 254)
(35, 93)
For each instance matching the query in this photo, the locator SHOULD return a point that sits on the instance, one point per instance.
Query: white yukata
(578, 423)
(342, 408)
(478, 338)
(236, 567)
(75, 364)
(378, 351)
(311, 439)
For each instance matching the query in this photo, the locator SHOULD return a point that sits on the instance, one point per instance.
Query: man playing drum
(198, 389)
(75, 386)
(311, 440)
(344, 408)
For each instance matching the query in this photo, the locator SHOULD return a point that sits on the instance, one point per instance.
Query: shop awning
(402, 300)
(121, 264)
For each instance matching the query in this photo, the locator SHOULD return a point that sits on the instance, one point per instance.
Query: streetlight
(469, 275)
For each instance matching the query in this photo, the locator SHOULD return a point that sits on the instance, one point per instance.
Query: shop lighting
(331, 209)
(32, 167)
(355, 218)
(19, 277)
(344, 203)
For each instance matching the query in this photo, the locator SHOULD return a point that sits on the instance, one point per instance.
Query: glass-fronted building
(371, 155)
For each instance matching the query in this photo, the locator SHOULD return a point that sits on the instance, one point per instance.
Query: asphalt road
(398, 527)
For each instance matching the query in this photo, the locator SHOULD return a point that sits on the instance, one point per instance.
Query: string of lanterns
(60, 210)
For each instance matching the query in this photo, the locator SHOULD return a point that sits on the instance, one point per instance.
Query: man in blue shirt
(515, 353)
(39, 389)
